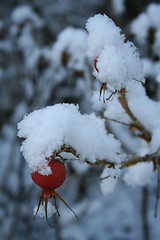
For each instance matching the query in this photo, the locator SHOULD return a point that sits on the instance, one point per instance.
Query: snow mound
(49, 129)
(118, 61)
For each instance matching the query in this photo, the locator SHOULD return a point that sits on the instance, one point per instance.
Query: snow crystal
(48, 129)
(118, 61)
(109, 178)
(139, 175)
(41, 213)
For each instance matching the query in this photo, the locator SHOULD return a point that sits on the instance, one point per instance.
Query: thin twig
(46, 213)
(127, 163)
(112, 94)
(145, 134)
(39, 203)
(57, 195)
(56, 206)
(103, 87)
(105, 177)
(117, 121)
(139, 81)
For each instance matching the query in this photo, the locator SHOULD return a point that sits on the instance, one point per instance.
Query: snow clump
(49, 129)
(139, 174)
(109, 178)
(118, 61)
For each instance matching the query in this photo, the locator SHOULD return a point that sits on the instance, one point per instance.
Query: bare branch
(153, 157)
(117, 121)
(111, 95)
(105, 177)
(145, 134)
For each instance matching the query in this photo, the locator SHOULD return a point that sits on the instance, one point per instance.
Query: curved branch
(145, 134)
(117, 121)
(154, 157)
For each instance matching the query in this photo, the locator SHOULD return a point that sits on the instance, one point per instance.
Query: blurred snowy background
(42, 62)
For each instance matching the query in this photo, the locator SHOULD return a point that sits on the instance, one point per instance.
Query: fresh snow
(48, 129)
(109, 178)
(119, 65)
(118, 61)
(139, 175)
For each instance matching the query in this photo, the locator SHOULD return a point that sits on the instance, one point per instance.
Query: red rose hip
(53, 180)
(49, 183)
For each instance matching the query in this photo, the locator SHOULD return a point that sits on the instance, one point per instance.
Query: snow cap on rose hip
(50, 128)
(118, 62)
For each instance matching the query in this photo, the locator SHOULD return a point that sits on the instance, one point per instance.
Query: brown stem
(103, 87)
(105, 177)
(122, 99)
(101, 162)
(39, 203)
(127, 163)
(117, 121)
(57, 195)
(145, 134)
(55, 204)
(153, 157)
(112, 94)
(46, 202)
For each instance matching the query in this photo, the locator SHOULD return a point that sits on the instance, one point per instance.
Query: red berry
(49, 184)
(52, 181)
(95, 64)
